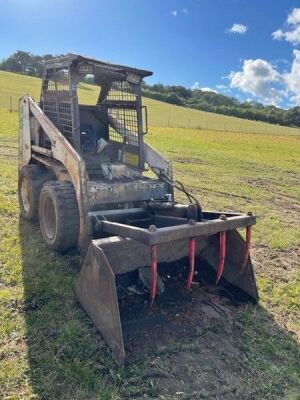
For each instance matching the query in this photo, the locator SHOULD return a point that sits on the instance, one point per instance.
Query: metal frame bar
(170, 233)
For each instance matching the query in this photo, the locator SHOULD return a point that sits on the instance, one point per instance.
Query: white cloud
(292, 79)
(259, 78)
(294, 17)
(292, 32)
(196, 85)
(175, 13)
(238, 28)
(208, 89)
(278, 35)
(263, 81)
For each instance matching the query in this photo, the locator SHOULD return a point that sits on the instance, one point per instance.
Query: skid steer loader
(84, 174)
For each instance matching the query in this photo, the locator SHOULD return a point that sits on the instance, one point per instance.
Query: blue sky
(245, 48)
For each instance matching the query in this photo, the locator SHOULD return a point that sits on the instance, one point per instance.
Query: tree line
(23, 62)
(221, 104)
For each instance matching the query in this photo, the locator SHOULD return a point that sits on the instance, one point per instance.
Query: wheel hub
(49, 218)
(25, 194)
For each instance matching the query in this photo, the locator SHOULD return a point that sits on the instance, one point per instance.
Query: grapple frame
(170, 237)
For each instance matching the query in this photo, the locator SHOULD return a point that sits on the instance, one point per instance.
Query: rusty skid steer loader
(82, 175)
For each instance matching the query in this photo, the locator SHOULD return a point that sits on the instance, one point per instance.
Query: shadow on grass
(246, 356)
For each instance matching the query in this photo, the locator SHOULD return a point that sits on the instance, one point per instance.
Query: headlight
(133, 78)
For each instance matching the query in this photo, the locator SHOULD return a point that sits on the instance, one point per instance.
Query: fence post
(10, 104)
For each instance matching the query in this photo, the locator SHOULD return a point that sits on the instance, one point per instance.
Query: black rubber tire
(31, 179)
(59, 216)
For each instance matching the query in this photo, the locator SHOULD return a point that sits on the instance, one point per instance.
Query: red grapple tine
(222, 256)
(247, 247)
(153, 273)
(192, 249)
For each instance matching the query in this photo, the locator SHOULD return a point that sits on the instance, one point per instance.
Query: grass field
(50, 350)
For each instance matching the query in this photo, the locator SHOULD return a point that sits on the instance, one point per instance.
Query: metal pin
(153, 273)
(192, 248)
(247, 248)
(221, 256)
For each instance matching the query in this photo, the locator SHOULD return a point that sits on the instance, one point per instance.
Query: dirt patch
(275, 263)
(194, 161)
(283, 202)
(167, 322)
(272, 187)
(201, 372)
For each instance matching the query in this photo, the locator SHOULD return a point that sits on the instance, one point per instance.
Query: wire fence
(188, 119)
(248, 127)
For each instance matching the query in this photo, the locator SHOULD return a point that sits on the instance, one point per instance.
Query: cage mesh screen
(121, 91)
(56, 100)
(124, 123)
(121, 102)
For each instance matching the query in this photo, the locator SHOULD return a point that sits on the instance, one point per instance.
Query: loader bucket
(187, 256)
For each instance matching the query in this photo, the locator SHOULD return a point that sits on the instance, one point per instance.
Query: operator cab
(108, 135)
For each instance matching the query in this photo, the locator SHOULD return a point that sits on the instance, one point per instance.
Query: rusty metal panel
(96, 290)
(233, 272)
(100, 193)
(71, 58)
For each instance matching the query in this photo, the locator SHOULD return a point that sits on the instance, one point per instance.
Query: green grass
(50, 350)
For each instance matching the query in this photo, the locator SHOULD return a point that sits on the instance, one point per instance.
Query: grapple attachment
(207, 249)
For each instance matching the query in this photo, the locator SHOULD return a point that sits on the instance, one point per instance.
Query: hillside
(160, 114)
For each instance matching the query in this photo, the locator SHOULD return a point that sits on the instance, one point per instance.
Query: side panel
(235, 251)
(157, 163)
(156, 160)
(24, 132)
